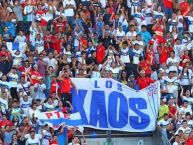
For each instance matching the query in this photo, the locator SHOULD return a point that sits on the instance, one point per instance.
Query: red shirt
(189, 141)
(172, 110)
(144, 82)
(53, 88)
(35, 77)
(183, 58)
(5, 53)
(59, 24)
(3, 123)
(41, 13)
(163, 55)
(100, 53)
(47, 45)
(66, 85)
(145, 66)
(184, 8)
(159, 33)
(56, 44)
(53, 142)
(168, 4)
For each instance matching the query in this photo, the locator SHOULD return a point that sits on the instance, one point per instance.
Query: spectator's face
(22, 80)
(4, 78)
(166, 117)
(142, 74)
(4, 117)
(84, 8)
(177, 139)
(25, 98)
(14, 137)
(32, 134)
(185, 125)
(66, 74)
(50, 55)
(4, 95)
(188, 93)
(171, 75)
(172, 54)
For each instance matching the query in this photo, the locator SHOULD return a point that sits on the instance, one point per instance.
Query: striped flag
(56, 119)
(12, 46)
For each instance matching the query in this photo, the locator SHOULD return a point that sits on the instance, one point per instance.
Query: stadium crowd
(137, 42)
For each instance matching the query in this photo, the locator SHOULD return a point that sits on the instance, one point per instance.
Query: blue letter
(95, 84)
(108, 84)
(98, 109)
(78, 103)
(118, 115)
(142, 120)
(119, 87)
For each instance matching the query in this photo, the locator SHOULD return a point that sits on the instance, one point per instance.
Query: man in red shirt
(189, 141)
(66, 84)
(168, 8)
(100, 52)
(144, 81)
(184, 8)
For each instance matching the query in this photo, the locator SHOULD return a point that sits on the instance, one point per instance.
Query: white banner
(109, 105)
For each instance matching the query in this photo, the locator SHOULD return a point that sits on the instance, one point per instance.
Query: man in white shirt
(164, 122)
(172, 62)
(131, 34)
(171, 84)
(51, 61)
(185, 109)
(69, 7)
(33, 138)
(21, 37)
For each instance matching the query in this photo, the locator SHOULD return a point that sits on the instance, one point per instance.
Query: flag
(56, 119)
(12, 46)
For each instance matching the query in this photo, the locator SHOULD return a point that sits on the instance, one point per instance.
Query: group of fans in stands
(43, 43)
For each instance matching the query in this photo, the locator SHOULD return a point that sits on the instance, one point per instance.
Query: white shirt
(13, 80)
(46, 136)
(189, 99)
(23, 88)
(172, 84)
(185, 130)
(69, 12)
(120, 34)
(25, 105)
(20, 38)
(3, 104)
(125, 55)
(35, 141)
(51, 62)
(40, 91)
(95, 74)
(190, 28)
(137, 54)
(183, 110)
(36, 113)
(172, 63)
(163, 123)
(131, 34)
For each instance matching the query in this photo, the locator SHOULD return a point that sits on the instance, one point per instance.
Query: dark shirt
(5, 67)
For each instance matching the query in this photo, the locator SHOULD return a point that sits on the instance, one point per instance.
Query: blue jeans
(168, 12)
(70, 21)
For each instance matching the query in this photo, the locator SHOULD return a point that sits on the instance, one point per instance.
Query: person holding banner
(66, 84)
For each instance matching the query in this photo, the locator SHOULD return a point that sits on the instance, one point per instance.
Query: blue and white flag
(110, 105)
(13, 46)
(55, 119)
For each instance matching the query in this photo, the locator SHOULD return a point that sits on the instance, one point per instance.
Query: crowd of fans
(137, 42)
